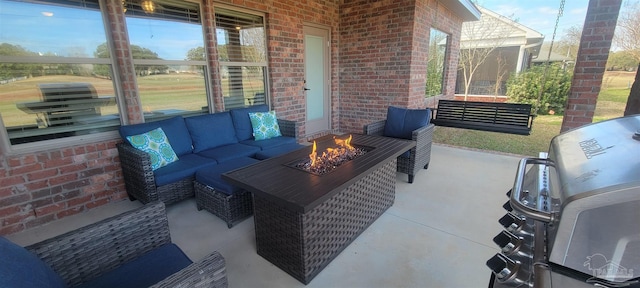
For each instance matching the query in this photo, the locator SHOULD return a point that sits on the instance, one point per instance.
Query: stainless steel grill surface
(574, 212)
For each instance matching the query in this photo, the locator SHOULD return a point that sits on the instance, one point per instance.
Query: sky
(541, 15)
(173, 42)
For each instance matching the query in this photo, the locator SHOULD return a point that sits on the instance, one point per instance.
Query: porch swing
(510, 118)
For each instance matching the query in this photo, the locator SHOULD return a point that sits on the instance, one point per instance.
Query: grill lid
(595, 188)
(597, 156)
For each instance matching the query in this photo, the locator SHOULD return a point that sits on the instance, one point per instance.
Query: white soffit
(465, 9)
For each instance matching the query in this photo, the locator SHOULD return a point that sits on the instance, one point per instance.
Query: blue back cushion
(211, 130)
(401, 121)
(242, 123)
(21, 268)
(174, 128)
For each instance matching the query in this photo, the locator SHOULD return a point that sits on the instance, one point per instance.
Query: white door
(316, 68)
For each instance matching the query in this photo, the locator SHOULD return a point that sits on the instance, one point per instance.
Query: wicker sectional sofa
(201, 143)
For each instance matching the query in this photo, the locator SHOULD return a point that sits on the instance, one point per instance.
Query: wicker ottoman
(220, 198)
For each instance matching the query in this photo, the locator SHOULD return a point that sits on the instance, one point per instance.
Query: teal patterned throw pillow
(265, 125)
(156, 144)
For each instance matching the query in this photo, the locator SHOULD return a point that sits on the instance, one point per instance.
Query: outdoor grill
(574, 213)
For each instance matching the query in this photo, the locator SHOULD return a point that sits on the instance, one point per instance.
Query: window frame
(7, 148)
(209, 95)
(265, 65)
(445, 54)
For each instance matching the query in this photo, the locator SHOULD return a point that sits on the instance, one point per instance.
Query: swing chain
(546, 67)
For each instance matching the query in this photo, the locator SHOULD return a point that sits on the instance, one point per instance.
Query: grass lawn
(611, 102)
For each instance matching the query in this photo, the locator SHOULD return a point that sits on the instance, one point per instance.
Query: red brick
(57, 162)
(50, 209)
(97, 203)
(70, 211)
(62, 179)
(37, 185)
(72, 168)
(11, 180)
(25, 169)
(42, 174)
(14, 200)
(11, 229)
(6, 211)
(17, 218)
(80, 200)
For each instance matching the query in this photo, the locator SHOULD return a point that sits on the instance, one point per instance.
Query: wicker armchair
(86, 253)
(419, 156)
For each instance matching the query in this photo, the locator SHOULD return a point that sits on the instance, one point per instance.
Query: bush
(525, 88)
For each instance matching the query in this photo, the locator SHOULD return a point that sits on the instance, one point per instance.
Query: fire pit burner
(331, 158)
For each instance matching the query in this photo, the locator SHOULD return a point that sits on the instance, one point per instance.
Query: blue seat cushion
(212, 176)
(21, 268)
(401, 121)
(242, 123)
(174, 128)
(144, 271)
(230, 152)
(183, 168)
(270, 143)
(211, 130)
(277, 151)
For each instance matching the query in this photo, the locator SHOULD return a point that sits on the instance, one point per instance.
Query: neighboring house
(506, 46)
(544, 57)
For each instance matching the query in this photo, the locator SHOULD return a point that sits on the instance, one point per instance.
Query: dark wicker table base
(303, 244)
(230, 208)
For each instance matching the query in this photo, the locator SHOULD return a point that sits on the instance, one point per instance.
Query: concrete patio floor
(438, 233)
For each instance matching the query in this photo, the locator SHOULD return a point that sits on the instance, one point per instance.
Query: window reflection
(167, 47)
(438, 41)
(52, 83)
(242, 55)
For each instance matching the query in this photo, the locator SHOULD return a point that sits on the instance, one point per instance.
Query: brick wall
(49, 185)
(37, 188)
(597, 34)
(383, 47)
(377, 59)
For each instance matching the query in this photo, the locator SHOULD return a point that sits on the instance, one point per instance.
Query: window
(52, 85)
(435, 62)
(168, 53)
(242, 54)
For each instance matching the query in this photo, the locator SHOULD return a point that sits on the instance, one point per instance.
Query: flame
(330, 153)
(346, 143)
(313, 156)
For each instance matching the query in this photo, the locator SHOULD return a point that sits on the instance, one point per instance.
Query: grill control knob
(507, 271)
(507, 206)
(512, 245)
(515, 224)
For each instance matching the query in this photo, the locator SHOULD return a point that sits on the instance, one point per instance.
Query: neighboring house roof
(494, 30)
(554, 57)
(463, 8)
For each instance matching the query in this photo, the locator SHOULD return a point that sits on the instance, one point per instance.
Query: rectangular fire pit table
(303, 220)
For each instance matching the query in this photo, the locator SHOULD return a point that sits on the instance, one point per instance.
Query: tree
(13, 70)
(137, 52)
(196, 54)
(627, 38)
(525, 88)
(569, 44)
(435, 62)
(621, 60)
(479, 39)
